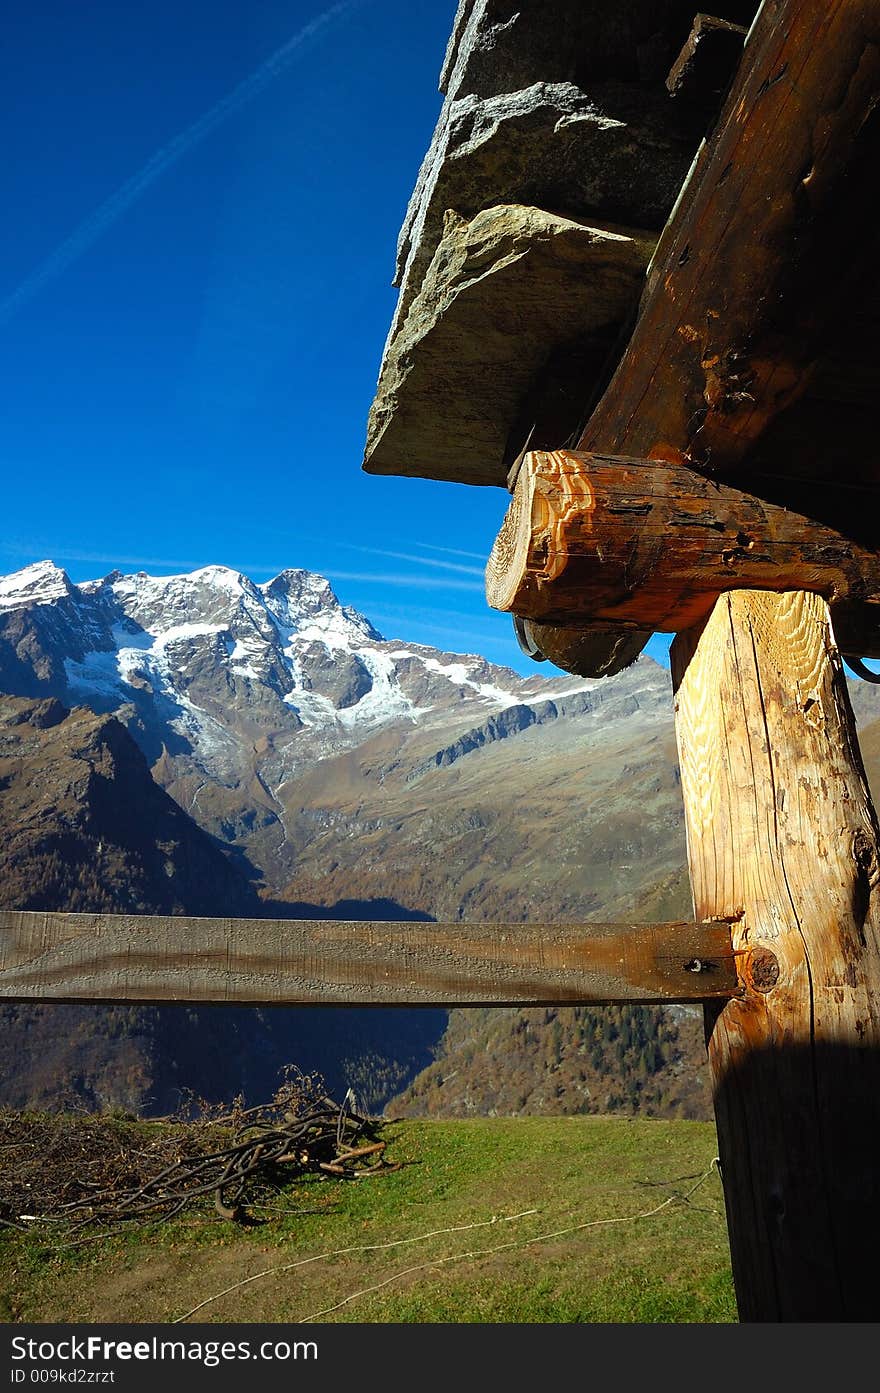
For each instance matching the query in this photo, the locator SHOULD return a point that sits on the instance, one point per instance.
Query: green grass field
(432, 1242)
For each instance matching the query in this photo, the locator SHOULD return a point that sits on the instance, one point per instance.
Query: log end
(531, 550)
(508, 559)
(592, 652)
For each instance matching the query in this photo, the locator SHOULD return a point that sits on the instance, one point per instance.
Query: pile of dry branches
(85, 1170)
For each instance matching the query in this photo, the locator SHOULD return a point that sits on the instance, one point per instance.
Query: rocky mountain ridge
(240, 694)
(85, 826)
(175, 638)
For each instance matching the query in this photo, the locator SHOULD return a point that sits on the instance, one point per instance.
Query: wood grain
(102, 957)
(769, 251)
(756, 258)
(652, 545)
(780, 823)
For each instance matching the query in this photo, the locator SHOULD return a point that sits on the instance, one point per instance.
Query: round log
(620, 544)
(592, 652)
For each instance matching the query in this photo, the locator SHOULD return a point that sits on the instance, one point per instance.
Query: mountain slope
(83, 827)
(567, 1059)
(574, 819)
(330, 757)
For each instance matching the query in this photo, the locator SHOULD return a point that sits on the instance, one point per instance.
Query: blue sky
(203, 202)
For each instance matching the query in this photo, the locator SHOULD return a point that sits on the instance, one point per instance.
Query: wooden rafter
(771, 240)
(752, 266)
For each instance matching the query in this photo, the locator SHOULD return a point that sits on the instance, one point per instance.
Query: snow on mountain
(235, 691)
(289, 728)
(38, 584)
(284, 653)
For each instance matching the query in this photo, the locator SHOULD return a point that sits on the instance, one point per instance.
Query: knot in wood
(763, 970)
(865, 854)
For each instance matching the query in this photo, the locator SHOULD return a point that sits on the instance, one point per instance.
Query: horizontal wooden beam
(285, 962)
(652, 545)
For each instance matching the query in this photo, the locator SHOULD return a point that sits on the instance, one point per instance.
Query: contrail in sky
(413, 582)
(109, 212)
(421, 560)
(453, 551)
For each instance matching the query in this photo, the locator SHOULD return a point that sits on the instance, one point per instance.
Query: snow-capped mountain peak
(247, 698)
(211, 666)
(38, 584)
(306, 603)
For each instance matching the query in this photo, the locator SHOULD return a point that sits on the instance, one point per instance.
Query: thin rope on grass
(506, 1247)
(436, 1262)
(360, 1248)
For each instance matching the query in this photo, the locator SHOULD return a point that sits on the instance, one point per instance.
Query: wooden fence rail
(104, 957)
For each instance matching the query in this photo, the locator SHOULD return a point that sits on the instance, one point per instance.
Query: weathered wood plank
(101, 957)
(751, 266)
(780, 823)
(651, 545)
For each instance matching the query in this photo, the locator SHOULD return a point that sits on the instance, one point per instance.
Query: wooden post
(780, 823)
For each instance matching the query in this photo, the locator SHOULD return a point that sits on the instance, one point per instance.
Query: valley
(307, 766)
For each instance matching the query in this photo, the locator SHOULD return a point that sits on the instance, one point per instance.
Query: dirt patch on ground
(141, 1290)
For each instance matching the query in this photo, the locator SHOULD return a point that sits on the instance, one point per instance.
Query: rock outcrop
(501, 291)
(83, 825)
(561, 109)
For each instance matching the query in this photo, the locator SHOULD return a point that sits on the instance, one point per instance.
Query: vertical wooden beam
(780, 824)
